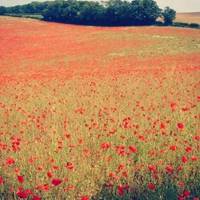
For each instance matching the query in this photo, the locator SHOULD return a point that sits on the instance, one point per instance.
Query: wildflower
(1, 180)
(85, 198)
(152, 168)
(56, 181)
(194, 158)
(151, 186)
(186, 193)
(10, 161)
(105, 145)
(20, 179)
(188, 149)
(36, 198)
(169, 169)
(181, 184)
(120, 190)
(132, 149)
(162, 125)
(173, 147)
(184, 159)
(69, 166)
(173, 106)
(44, 187)
(49, 174)
(23, 194)
(180, 126)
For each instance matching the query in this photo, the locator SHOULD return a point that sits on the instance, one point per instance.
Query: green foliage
(186, 25)
(2, 10)
(114, 12)
(92, 12)
(31, 8)
(194, 25)
(118, 12)
(180, 24)
(145, 11)
(168, 15)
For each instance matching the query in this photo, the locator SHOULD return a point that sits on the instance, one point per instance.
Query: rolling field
(98, 113)
(193, 17)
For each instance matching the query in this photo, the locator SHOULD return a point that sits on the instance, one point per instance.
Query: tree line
(112, 12)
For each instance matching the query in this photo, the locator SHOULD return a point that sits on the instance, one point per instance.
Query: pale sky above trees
(178, 5)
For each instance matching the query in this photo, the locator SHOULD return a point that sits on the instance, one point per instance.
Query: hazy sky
(178, 5)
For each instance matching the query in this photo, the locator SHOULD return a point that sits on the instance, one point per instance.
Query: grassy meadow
(101, 113)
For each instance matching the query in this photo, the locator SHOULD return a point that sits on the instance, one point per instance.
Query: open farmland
(193, 17)
(98, 113)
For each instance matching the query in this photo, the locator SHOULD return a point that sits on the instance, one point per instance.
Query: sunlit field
(188, 17)
(98, 112)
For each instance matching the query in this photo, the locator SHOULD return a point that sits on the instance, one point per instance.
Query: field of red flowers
(98, 112)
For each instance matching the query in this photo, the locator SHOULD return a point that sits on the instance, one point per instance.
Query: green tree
(168, 15)
(118, 12)
(54, 11)
(14, 9)
(2, 10)
(145, 12)
(91, 13)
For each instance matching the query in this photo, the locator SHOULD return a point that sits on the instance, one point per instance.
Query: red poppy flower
(55, 167)
(126, 123)
(181, 184)
(44, 187)
(180, 126)
(69, 166)
(120, 167)
(1, 180)
(194, 158)
(186, 193)
(20, 179)
(85, 198)
(10, 161)
(152, 168)
(162, 125)
(105, 145)
(49, 174)
(23, 194)
(169, 169)
(179, 168)
(121, 150)
(56, 181)
(173, 106)
(173, 147)
(184, 159)
(120, 190)
(132, 149)
(188, 149)
(36, 198)
(151, 186)
(196, 137)
(180, 197)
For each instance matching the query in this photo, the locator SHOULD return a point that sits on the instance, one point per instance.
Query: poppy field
(96, 113)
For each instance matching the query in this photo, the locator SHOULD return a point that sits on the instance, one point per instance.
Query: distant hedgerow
(111, 13)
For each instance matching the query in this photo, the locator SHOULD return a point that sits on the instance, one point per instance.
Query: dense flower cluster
(99, 113)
